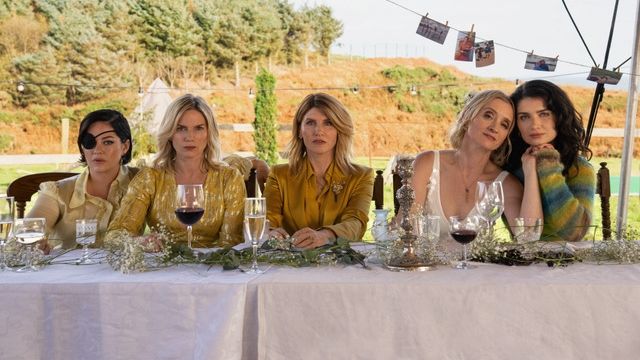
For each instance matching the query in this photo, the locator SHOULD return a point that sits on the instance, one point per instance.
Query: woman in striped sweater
(550, 158)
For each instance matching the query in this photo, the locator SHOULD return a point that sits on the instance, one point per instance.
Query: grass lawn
(9, 173)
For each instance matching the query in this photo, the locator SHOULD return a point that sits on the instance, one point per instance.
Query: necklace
(464, 183)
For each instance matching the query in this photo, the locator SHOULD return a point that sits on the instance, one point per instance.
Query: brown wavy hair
(340, 119)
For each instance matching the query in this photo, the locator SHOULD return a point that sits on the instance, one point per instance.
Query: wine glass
(7, 210)
(463, 231)
(490, 202)
(190, 206)
(28, 231)
(255, 216)
(86, 230)
(527, 229)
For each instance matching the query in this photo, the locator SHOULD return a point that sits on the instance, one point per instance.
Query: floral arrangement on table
(127, 254)
(557, 253)
(497, 250)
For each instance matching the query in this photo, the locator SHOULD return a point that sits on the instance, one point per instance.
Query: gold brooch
(337, 187)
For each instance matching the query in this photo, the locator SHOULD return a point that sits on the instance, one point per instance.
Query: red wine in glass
(189, 216)
(463, 231)
(464, 236)
(189, 206)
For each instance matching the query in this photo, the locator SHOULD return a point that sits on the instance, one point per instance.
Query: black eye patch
(88, 141)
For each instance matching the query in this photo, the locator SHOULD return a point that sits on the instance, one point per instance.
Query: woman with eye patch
(320, 194)
(445, 181)
(188, 153)
(104, 142)
(550, 158)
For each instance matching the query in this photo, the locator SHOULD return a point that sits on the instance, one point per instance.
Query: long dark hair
(570, 136)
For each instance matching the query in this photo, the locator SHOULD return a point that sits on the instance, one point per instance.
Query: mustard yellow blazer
(342, 206)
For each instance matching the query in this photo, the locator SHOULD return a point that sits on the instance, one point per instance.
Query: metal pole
(597, 97)
(629, 132)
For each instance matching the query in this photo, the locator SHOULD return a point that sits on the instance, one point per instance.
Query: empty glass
(527, 229)
(490, 202)
(28, 231)
(431, 227)
(7, 210)
(86, 230)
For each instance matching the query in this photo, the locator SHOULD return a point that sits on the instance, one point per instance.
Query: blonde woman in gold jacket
(320, 194)
(188, 153)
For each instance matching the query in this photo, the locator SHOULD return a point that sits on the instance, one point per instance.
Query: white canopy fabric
(153, 105)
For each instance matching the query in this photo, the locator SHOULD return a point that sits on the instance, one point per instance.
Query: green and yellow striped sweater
(567, 201)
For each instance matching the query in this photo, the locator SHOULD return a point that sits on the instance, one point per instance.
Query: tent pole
(629, 132)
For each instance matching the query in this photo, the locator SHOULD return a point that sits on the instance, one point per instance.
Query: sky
(382, 29)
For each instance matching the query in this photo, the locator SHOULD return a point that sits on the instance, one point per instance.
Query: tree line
(70, 51)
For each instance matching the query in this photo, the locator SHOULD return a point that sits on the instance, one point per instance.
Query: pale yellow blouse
(151, 198)
(62, 202)
(342, 206)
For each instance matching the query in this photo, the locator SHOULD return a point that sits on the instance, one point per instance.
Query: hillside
(388, 120)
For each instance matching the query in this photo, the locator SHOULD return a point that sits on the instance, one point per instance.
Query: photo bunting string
(484, 51)
(432, 30)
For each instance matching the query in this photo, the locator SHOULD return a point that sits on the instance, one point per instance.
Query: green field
(9, 173)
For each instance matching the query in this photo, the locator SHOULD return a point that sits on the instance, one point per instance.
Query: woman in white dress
(445, 180)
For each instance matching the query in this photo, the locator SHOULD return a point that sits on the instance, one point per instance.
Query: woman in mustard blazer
(320, 194)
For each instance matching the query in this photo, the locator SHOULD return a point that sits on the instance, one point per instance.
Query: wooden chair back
(378, 190)
(251, 183)
(397, 183)
(24, 187)
(603, 188)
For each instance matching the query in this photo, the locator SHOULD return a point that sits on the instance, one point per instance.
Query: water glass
(431, 228)
(28, 231)
(86, 230)
(527, 229)
(7, 211)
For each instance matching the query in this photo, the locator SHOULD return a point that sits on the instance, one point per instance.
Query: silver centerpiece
(408, 261)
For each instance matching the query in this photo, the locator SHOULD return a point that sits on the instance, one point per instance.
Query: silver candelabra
(408, 261)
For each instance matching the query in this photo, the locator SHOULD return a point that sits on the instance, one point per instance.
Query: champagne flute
(7, 210)
(86, 230)
(29, 231)
(490, 202)
(190, 206)
(255, 216)
(463, 231)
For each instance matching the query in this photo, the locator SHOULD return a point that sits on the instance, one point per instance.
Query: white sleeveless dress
(434, 205)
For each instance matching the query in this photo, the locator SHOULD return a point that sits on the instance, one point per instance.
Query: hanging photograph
(464, 46)
(540, 63)
(602, 76)
(432, 30)
(485, 53)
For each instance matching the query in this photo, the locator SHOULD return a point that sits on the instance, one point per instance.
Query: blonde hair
(340, 119)
(470, 111)
(166, 155)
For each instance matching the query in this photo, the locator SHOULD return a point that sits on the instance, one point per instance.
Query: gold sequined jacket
(151, 198)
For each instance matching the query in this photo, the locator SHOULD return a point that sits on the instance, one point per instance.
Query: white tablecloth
(491, 312)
